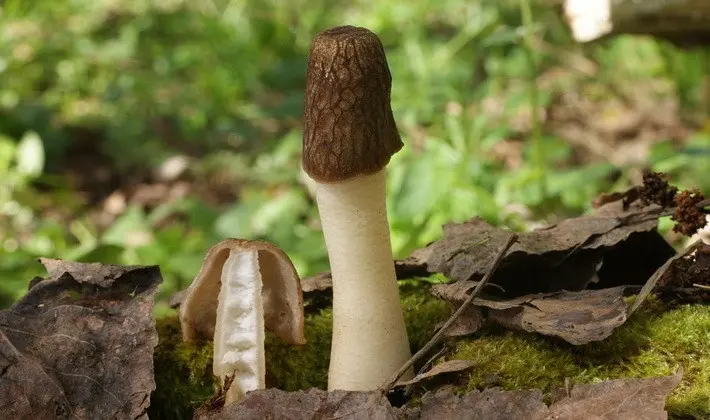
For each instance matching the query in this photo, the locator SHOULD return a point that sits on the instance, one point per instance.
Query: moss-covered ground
(657, 340)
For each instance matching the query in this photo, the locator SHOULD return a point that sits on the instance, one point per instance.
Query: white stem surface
(369, 337)
(239, 330)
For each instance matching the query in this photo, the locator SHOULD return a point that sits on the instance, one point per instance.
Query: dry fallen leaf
(318, 283)
(441, 370)
(565, 256)
(489, 404)
(25, 389)
(80, 344)
(542, 281)
(576, 317)
(620, 399)
(312, 404)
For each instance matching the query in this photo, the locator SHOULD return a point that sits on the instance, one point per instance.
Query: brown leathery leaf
(576, 317)
(80, 344)
(312, 404)
(618, 399)
(489, 404)
(565, 256)
(443, 369)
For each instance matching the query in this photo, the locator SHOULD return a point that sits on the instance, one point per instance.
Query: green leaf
(281, 211)
(105, 254)
(132, 222)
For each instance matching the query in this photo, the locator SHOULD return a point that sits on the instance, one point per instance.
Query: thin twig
(387, 385)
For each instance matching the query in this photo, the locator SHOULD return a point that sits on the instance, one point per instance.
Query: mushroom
(349, 136)
(243, 287)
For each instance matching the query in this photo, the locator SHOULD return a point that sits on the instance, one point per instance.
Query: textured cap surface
(349, 128)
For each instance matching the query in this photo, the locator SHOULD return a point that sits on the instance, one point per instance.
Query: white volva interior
(239, 331)
(369, 337)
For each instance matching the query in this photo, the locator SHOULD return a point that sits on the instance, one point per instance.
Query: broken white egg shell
(242, 288)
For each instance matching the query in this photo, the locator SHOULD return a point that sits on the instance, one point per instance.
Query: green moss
(298, 367)
(656, 341)
(422, 313)
(184, 371)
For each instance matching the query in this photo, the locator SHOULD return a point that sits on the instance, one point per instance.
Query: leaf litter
(80, 344)
(576, 317)
(618, 399)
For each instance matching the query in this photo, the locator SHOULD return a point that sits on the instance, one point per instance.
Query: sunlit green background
(98, 98)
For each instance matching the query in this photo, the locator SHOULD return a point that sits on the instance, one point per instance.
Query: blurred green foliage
(140, 81)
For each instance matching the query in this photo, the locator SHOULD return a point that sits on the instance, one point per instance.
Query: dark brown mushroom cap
(349, 128)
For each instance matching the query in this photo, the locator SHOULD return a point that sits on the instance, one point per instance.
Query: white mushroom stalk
(349, 136)
(242, 288)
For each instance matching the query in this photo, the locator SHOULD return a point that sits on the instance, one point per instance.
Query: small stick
(392, 380)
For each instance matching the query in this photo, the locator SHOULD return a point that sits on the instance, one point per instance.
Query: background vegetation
(142, 132)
